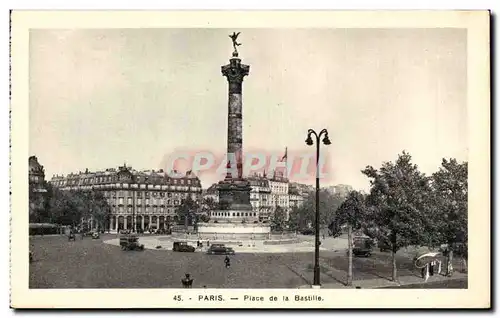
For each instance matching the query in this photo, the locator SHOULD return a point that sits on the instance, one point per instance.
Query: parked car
(220, 249)
(95, 235)
(308, 232)
(71, 236)
(383, 246)
(183, 247)
(362, 246)
(164, 232)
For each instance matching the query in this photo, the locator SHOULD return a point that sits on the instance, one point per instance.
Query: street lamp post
(309, 142)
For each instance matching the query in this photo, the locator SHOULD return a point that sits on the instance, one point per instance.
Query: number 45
(177, 298)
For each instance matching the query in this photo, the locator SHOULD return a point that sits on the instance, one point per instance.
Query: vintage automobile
(362, 246)
(71, 236)
(183, 247)
(95, 235)
(307, 232)
(129, 242)
(383, 246)
(164, 231)
(220, 249)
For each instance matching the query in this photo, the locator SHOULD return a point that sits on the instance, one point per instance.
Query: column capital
(235, 71)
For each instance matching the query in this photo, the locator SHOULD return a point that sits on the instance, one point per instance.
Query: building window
(146, 194)
(120, 200)
(147, 201)
(169, 202)
(139, 194)
(129, 200)
(169, 194)
(176, 202)
(162, 194)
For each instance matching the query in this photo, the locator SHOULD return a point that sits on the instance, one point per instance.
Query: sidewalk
(381, 282)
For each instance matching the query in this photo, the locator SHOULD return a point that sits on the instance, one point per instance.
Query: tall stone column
(235, 72)
(234, 191)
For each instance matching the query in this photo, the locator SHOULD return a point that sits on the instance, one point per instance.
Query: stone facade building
(279, 193)
(138, 199)
(37, 188)
(260, 197)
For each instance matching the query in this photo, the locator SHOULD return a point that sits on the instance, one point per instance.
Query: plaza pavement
(91, 263)
(304, 244)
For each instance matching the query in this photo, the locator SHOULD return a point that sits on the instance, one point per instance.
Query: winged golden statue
(233, 37)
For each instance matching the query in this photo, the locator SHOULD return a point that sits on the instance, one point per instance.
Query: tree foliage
(301, 217)
(450, 199)
(187, 209)
(398, 203)
(278, 219)
(71, 207)
(351, 212)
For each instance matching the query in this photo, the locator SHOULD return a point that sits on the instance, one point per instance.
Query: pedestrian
(431, 268)
(187, 281)
(227, 261)
(425, 272)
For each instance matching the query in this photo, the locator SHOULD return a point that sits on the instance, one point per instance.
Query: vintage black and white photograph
(209, 158)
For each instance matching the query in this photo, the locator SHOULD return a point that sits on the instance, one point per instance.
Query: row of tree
(405, 207)
(68, 207)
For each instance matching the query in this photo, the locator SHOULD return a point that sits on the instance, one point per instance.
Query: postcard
(258, 159)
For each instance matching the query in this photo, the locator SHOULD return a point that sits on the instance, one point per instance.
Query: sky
(101, 98)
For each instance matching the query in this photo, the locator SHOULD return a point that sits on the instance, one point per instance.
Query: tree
(294, 220)
(187, 209)
(306, 213)
(208, 205)
(64, 207)
(450, 188)
(398, 205)
(351, 213)
(98, 207)
(73, 207)
(278, 219)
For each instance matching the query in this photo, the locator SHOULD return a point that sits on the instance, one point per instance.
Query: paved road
(92, 264)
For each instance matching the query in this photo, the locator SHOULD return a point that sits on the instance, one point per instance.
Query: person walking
(227, 262)
(187, 281)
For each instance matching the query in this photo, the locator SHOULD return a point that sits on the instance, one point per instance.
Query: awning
(426, 258)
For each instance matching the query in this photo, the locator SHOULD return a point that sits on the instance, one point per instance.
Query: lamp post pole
(309, 141)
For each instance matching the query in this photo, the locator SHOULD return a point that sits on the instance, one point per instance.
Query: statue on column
(233, 37)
